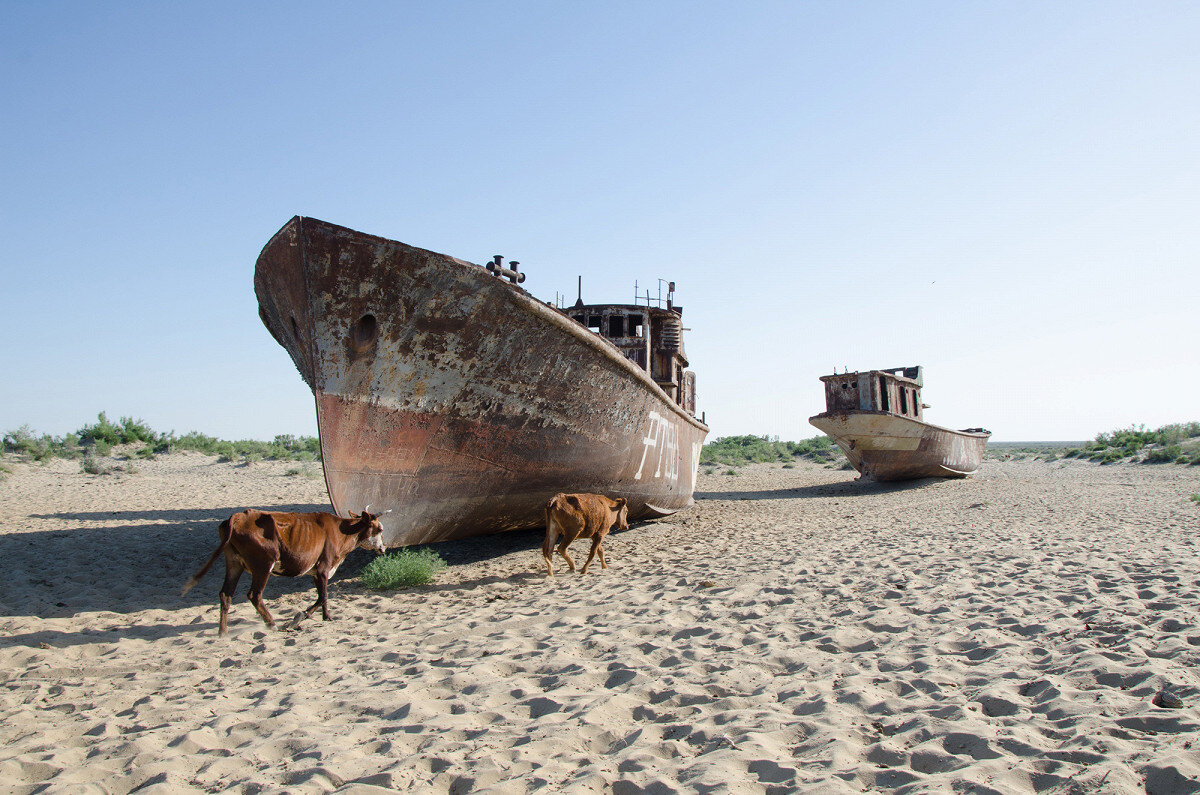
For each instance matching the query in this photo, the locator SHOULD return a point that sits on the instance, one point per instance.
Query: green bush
(91, 465)
(1170, 443)
(1164, 455)
(127, 431)
(20, 441)
(23, 443)
(100, 437)
(402, 569)
(737, 450)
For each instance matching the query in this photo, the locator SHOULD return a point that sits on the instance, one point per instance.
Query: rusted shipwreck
(877, 418)
(449, 395)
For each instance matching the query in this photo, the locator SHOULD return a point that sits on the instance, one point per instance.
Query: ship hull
(883, 446)
(456, 401)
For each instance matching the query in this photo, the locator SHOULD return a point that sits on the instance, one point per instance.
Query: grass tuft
(402, 569)
(92, 465)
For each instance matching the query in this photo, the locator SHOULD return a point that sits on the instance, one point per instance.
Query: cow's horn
(364, 510)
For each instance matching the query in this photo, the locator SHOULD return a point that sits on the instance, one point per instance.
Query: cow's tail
(226, 534)
(551, 533)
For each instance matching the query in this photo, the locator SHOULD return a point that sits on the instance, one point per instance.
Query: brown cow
(291, 545)
(587, 515)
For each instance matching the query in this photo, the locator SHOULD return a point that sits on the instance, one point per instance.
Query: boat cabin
(649, 336)
(895, 391)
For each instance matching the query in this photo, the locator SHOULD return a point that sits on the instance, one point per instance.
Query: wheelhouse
(651, 337)
(893, 391)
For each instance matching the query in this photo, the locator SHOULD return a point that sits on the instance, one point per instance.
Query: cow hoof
(296, 622)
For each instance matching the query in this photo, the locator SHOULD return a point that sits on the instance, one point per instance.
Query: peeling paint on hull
(456, 400)
(883, 446)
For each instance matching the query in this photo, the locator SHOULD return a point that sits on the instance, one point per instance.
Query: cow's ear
(266, 523)
(620, 503)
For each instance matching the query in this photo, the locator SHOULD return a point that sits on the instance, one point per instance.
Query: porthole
(363, 332)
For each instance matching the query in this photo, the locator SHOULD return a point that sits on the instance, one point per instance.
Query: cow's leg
(600, 549)
(562, 549)
(257, 586)
(233, 572)
(595, 546)
(548, 547)
(322, 597)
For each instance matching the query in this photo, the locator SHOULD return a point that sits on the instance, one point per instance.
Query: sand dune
(796, 630)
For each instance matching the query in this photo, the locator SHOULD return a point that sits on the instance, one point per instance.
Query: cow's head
(621, 508)
(370, 531)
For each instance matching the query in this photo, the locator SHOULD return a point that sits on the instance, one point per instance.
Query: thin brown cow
(586, 515)
(291, 545)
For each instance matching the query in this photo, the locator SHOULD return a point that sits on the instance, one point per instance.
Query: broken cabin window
(616, 326)
(635, 325)
(903, 401)
(593, 323)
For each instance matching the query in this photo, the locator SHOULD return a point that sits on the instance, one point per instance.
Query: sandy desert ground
(797, 630)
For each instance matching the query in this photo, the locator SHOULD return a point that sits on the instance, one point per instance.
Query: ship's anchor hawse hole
(362, 333)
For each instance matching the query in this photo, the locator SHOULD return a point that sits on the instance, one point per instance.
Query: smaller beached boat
(876, 418)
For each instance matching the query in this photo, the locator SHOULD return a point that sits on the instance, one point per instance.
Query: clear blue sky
(1007, 193)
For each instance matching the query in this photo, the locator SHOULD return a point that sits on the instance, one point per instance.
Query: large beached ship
(448, 395)
(877, 418)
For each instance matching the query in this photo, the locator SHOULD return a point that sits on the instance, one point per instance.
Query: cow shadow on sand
(131, 561)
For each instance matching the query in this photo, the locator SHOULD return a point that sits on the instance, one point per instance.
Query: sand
(797, 630)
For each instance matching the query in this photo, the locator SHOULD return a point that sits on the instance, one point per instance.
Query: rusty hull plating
(877, 419)
(458, 401)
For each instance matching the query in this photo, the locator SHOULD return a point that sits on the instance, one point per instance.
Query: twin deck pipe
(496, 267)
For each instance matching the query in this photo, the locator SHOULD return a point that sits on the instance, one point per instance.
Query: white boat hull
(885, 446)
